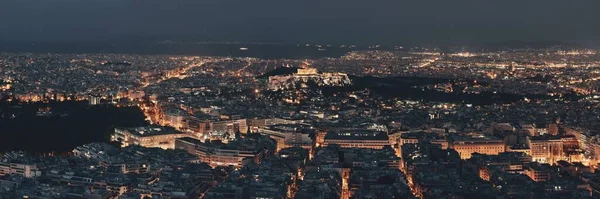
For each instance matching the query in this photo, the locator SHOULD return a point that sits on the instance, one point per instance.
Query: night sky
(334, 21)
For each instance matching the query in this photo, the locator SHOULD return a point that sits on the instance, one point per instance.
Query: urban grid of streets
(519, 123)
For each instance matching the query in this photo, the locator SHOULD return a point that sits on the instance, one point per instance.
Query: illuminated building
(467, 145)
(307, 71)
(570, 142)
(485, 173)
(345, 184)
(571, 149)
(357, 139)
(94, 100)
(25, 170)
(584, 139)
(306, 75)
(149, 136)
(200, 128)
(235, 153)
(216, 128)
(230, 126)
(546, 149)
(174, 118)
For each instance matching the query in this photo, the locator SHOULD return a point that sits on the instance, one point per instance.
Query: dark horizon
(434, 22)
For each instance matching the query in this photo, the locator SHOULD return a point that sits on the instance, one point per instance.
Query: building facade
(546, 149)
(357, 139)
(218, 154)
(25, 170)
(150, 136)
(465, 146)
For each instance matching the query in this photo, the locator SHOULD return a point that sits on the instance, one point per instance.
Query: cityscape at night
(506, 106)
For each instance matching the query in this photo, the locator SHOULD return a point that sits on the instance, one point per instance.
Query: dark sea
(265, 51)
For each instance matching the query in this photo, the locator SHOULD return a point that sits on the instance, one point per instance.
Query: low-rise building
(540, 172)
(467, 145)
(357, 139)
(148, 136)
(25, 170)
(215, 153)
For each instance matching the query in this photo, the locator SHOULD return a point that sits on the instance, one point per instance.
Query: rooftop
(473, 138)
(420, 135)
(356, 135)
(151, 130)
